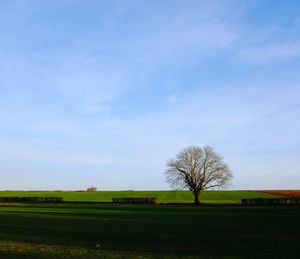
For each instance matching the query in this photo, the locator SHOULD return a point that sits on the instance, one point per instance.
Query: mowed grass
(148, 231)
(221, 197)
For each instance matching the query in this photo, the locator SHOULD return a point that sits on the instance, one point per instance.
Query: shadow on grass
(205, 231)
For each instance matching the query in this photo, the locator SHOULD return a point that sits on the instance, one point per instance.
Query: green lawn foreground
(148, 231)
(221, 197)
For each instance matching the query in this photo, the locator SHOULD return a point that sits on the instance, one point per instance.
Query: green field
(105, 230)
(148, 231)
(221, 197)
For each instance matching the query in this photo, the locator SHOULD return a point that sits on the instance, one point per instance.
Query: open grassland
(148, 231)
(221, 197)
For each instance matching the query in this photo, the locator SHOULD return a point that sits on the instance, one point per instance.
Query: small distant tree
(91, 189)
(197, 169)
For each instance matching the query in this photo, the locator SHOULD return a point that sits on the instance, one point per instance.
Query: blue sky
(103, 93)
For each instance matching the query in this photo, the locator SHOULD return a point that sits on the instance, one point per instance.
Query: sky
(104, 93)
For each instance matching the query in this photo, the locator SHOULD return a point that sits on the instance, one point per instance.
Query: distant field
(220, 197)
(290, 193)
(148, 232)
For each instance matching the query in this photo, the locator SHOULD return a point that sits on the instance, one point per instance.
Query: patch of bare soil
(288, 193)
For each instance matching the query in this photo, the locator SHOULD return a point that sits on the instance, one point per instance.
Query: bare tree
(198, 169)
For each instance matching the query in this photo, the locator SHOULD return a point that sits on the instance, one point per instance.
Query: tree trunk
(196, 197)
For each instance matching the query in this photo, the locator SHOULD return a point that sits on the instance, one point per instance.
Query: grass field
(145, 231)
(221, 197)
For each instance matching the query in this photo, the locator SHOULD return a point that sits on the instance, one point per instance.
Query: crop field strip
(214, 197)
(289, 193)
